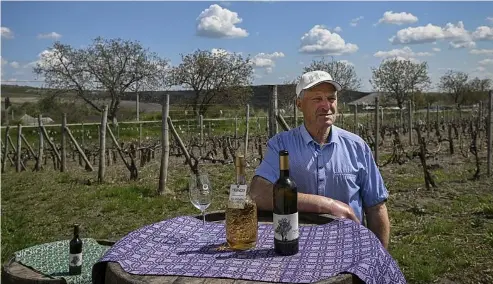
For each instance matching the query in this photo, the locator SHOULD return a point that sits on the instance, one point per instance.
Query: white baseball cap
(313, 78)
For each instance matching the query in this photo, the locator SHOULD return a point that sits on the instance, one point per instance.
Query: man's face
(319, 105)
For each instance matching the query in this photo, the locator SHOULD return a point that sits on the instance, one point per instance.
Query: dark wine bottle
(285, 213)
(75, 264)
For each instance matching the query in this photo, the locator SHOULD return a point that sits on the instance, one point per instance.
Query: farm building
(368, 102)
(26, 119)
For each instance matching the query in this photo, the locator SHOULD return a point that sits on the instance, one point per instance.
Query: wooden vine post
(5, 148)
(39, 160)
(163, 173)
(247, 128)
(63, 150)
(102, 144)
(19, 146)
(490, 126)
(273, 127)
(410, 121)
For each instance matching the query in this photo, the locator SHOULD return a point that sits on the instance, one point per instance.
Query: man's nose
(326, 104)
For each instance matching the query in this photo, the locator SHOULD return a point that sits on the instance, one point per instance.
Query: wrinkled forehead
(322, 88)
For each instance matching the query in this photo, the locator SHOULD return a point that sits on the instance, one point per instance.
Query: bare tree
(455, 84)
(341, 71)
(399, 79)
(477, 90)
(104, 70)
(286, 93)
(214, 77)
(481, 85)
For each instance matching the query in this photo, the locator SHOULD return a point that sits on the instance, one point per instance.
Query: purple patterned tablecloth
(171, 247)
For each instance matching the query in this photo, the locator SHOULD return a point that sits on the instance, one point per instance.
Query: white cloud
(457, 34)
(401, 58)
(401, 18)
(483, 33)
(354, 22)
(6, 32)
(487, 61)
(266, 60)
(436, 49)
(14, 64)
(44, 57)
(481, 51)
(10, 81)
(480, 69)
(489, 19)
(3, 61)
(52, 35)
(256, 75)
(467, 44)
(218, 22)
(320, 40)
(405, 53)
(338, 29)
(219, 51)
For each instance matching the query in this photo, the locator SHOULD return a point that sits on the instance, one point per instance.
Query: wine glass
(200, 190)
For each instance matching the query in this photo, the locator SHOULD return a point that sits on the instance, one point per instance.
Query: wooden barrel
(14, 272)
(116, 275)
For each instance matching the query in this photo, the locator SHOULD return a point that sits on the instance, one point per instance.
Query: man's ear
(298, 103)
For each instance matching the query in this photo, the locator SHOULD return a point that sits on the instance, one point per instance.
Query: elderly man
(334, 169)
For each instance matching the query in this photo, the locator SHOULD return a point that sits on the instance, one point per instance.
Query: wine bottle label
(286, 227)
(237, 196)
(76, 259)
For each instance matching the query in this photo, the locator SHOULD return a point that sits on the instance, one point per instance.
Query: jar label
(237, 196)
(285, 227)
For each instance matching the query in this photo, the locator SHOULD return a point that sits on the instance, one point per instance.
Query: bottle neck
(240, 176)
(284, 166)
(284, 173)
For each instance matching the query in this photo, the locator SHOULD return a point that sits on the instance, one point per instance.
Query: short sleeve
(372, 185)
(269, 167)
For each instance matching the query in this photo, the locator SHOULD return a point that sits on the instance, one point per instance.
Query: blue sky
(282, 37)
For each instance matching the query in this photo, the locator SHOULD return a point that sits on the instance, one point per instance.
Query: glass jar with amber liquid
(241, 213)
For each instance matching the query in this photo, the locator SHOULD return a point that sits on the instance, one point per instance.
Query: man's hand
(336, 208)
(261, 190)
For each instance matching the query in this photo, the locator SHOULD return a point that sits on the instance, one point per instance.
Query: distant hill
(259, 100)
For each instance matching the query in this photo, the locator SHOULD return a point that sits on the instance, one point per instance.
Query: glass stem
(203, 218)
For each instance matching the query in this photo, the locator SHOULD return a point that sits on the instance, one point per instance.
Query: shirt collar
(307, 138)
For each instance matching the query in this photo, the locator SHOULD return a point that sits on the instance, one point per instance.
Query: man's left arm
(374, 195)
(377, 220)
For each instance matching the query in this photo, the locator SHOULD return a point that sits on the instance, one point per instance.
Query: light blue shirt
(343, 169)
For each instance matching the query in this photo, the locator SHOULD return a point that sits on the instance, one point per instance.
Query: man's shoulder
(290, 137)
(349, 137)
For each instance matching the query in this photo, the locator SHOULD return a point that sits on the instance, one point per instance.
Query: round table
(14, 272)
(116, 275)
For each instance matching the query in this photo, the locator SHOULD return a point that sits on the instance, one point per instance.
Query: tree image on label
(76, 260)
(283, 228)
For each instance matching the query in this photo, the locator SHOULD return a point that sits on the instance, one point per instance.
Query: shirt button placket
(321, 173)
